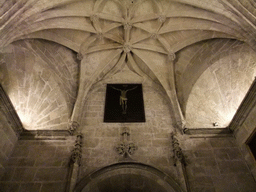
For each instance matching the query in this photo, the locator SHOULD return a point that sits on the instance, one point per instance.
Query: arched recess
(41, 79)
(214, 81)
(127, 176)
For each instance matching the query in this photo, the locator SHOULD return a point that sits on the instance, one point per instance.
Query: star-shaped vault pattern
(144, 35)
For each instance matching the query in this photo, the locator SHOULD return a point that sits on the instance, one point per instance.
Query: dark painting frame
(124, 103)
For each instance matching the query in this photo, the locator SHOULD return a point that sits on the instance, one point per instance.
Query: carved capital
(72, 127)
(79, 56)
(171, 56)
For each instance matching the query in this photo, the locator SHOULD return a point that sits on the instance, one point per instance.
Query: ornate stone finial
(154, 36)
(171, 56)
(77, 151)
(79, 56)
(177, 151)
(126, 148)
(127, 47)
(161, 18)
(73, 125)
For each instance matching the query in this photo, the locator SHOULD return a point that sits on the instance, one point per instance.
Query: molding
(208, 132)
(45, 135)
(130, 168)
(248, 103)
(11, 115)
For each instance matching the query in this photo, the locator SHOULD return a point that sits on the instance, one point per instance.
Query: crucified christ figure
(123, 98)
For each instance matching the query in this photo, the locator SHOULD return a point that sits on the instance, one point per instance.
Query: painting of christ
(124, 103)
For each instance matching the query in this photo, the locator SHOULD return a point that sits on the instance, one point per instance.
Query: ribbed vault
(145, 35)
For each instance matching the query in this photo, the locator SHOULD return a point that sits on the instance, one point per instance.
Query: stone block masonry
(217, 164)
(151, 137)
(8, 140)
(38, 166)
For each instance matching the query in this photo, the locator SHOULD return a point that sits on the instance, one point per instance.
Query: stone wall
(152, 137)
(37, 166)
(8, 140)
(213, 163)
(216, 164)
(242, 134)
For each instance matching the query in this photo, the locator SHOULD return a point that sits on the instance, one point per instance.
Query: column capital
(72, 127)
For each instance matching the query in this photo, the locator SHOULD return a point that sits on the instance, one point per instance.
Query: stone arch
(128, 176)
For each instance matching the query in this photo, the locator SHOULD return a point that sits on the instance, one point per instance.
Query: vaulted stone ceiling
(201, 53)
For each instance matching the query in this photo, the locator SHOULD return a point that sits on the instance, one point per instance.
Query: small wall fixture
(215, 124)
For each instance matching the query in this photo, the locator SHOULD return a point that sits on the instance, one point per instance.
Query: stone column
(179, 119)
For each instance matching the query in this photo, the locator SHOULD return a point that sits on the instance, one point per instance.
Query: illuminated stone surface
(195, 60)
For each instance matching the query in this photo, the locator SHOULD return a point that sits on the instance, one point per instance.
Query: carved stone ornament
(79, 56)
(77, 151)
(162, 18)
(127, 47)
(127, 25)
(177, 151)
(94, 18)
(126, 148)
(171, 56)
(154, 36)
(73, 125)
(100, 36)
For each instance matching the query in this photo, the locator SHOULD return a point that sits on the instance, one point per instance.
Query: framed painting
(124, 103)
